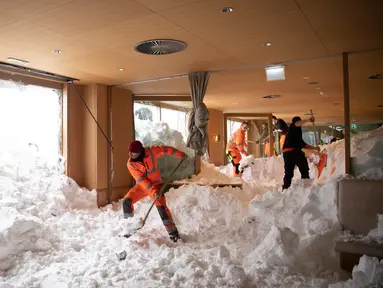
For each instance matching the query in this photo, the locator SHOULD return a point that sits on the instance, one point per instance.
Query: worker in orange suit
(280, 126)
(143, 166)
(236, 146)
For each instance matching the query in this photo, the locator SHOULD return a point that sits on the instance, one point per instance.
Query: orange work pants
(235, 157)
(136, 194)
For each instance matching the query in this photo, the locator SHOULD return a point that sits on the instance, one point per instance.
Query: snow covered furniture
(359, 203)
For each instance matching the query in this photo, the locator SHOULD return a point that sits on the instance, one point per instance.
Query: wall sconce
(217, 138)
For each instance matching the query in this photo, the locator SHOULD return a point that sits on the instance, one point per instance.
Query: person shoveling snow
(143, 166)
(236, 146)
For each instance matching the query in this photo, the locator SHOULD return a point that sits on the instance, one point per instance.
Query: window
(231, 127)
(30, 115)
(176, 119)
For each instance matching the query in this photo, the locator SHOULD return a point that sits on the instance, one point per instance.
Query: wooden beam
(225, 160)
(346, 99)
(109, 150)
(178, 98)
(250, 115)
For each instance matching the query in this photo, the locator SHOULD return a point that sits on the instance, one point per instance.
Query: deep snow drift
(54, 236)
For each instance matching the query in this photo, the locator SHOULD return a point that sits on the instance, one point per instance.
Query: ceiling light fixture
(227, 10)
(120, 69)
(267, 44)
(57, 51)
(11, 59)
(272, 96)
(318, 88)
(306, 77)
(275, 73)
(323, 93)
(376, 76)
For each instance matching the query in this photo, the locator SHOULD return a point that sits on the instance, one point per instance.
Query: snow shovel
(166, 182)
(323, 157)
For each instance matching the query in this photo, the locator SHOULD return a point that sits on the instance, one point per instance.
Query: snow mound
(368, 273)
(278, 248)
(32, 191)
(377, 234)
(19, 234)
(159, 133)
(209, 175)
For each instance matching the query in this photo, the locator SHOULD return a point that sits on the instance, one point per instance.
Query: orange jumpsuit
(235, 147)
(148, 181)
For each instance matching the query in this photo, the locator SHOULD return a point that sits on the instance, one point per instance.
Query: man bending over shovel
(143, 166)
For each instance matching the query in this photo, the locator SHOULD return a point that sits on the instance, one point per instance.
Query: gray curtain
(199, 116)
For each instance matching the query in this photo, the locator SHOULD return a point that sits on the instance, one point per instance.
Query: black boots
(174, 236)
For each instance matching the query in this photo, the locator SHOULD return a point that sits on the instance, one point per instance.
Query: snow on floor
(210, 175)
(54, 236)
(366, 148)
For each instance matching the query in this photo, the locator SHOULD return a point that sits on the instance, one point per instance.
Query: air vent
(380, 106)
(312, 83)
(271, 96)
(376, 76)
(160, 47)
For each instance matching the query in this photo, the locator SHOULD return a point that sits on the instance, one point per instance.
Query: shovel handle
(315, 130)
(158, 196)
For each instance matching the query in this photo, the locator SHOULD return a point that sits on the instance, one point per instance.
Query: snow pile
(32, 190)
(278, 248)
(368, 273)
(310, 213)
(367, 162)
(19, 234)
(377, 234)
(209, 175)
(159, 133)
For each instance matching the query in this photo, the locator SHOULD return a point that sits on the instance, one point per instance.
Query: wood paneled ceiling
(97, 38)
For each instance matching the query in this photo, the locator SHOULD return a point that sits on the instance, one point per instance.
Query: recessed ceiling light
(57, 51)
(227, 10)
(271, 96)
(323, 93)
(267, 44)
(306, 77)
(11, 59)
(376, 76)
(380, 106)
(120, 69)
(275, 73)
(313, 83)
(318, 88)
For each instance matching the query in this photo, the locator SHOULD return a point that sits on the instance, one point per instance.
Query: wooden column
(225, 160)
(346, 99)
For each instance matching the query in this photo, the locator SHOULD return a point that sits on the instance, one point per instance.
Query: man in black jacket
(281, 127)
(292, 151)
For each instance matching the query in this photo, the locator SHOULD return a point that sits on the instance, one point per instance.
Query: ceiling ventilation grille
(160, 47)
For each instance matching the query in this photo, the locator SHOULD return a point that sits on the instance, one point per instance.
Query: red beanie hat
(135, 147)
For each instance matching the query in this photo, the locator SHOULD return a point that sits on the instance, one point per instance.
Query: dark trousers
(236, 165)
(292, 159)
